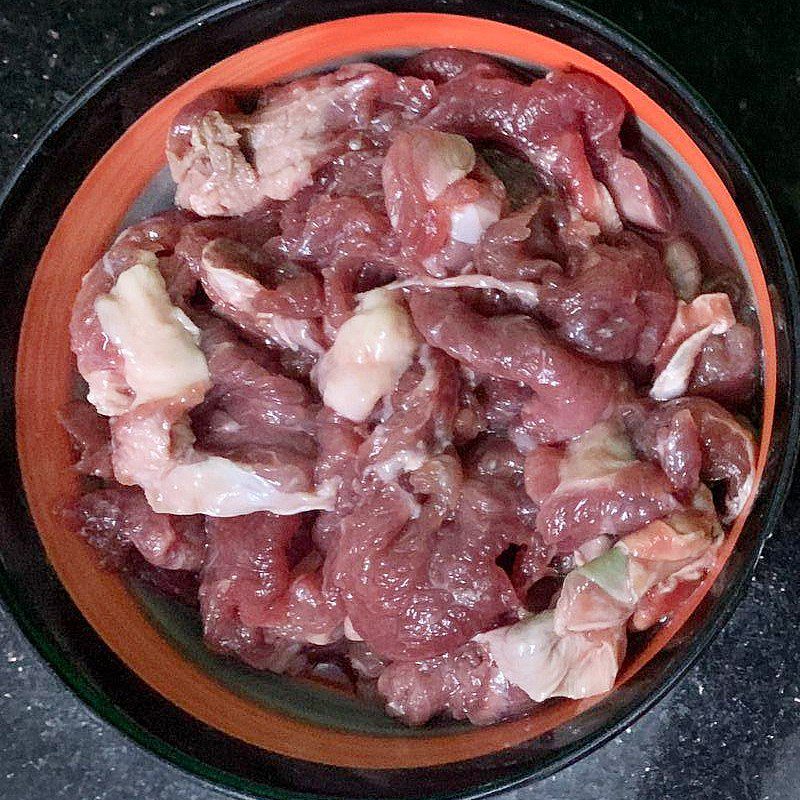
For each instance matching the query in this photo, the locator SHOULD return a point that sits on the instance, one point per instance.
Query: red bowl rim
(44, 380)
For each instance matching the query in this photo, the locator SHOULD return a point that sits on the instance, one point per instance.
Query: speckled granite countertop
(732, 727)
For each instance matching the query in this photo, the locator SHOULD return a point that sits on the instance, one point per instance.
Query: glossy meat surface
(424, 382)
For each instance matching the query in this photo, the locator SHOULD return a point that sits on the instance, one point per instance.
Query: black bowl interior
(49, 175)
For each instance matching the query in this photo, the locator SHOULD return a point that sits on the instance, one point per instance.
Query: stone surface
(732, 728)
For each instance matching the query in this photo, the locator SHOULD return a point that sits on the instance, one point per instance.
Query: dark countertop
(732, 727)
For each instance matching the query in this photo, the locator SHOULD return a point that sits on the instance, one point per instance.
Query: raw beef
(440, 198)
(568, 125)
(601, 490)
(99, 360)
(726, 447)
(226, 162)
(423, 393)
(415, 587)
(443, 64)
(516, 348)
(122, 513)
(90, 437)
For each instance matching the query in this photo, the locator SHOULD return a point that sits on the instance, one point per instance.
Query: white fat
(522, 440)
(370, 353)
(735, 504)
(544, 664)
(468, 222)
(108, 392)
(289, 135)
(609, 216)
(323, 639)
(235, 287)
(398, 464)
(219, 487)
(712, 309)
(524, 290)
(598, 453)
(673, 380)
(296, 334)
(592, 549)
(157, 341)
(445, 159)
(350, 633)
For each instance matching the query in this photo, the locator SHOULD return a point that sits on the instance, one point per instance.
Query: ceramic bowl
(139, 661)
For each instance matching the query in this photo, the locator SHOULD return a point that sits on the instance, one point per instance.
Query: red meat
(568, 125)
(122, 514)
(516, 348)
(90, 437)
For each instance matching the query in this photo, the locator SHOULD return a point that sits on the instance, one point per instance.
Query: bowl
(138, 661)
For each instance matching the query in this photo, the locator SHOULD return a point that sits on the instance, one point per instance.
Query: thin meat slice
(567, 124)
(90, 436)
(680, 452)
(253, 230)
(415, 587)
(329, 230)
(606, 591)
(578, 513)
(286, 315)
(516, 348)
(122, 513)
(166, 375)
(441, 64)
(439, 198)
(616, 302)
(539, 238)
(254, 602)
(685, 562)
(226, 163)
(97, 517)
(602, 490)
(160, 235)
(726, 369)
(695, 322)
(339, 443)
(465, 684)
(727, 447)
(308, 611)
(149, 243)
(247, 565)
(613, 302)
(339, 225)
(250, 401)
